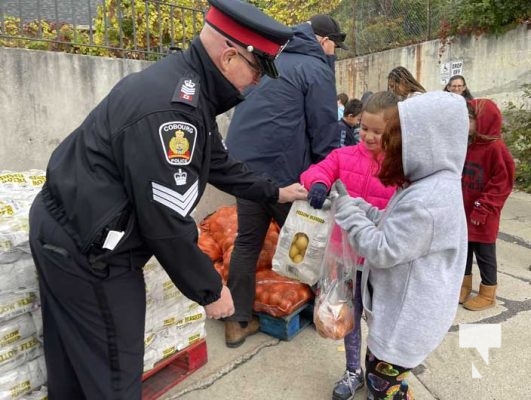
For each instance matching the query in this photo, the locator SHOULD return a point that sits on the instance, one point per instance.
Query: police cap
(250, 28)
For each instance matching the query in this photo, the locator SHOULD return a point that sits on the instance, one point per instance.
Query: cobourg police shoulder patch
(178, 141)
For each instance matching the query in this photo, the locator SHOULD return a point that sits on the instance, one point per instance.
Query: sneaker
(347, 386)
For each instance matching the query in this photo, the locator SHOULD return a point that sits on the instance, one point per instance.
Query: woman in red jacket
(487, 180)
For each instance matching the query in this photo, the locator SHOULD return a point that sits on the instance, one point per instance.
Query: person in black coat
(120, 189)
(291, 119)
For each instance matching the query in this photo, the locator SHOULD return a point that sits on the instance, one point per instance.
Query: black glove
(317, 195)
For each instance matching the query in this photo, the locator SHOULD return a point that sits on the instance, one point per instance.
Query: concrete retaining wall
(494, 67)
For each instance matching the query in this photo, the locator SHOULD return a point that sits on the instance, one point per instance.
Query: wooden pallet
(286, 328)
(172, 370)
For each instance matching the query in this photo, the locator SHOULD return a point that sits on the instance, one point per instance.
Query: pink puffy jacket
(357, 169)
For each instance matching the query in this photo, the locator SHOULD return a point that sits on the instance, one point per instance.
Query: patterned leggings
(386, 381)
(353, 339)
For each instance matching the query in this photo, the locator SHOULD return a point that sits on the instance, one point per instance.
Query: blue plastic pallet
(286, 328)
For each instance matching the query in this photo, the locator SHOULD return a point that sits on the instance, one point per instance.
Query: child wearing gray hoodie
(415, 250)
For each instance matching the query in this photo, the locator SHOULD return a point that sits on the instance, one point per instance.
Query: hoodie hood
(488, 118)
(304, 42)
(434, 134)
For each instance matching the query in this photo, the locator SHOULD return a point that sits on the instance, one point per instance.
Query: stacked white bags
(173, 322)
(22, 368)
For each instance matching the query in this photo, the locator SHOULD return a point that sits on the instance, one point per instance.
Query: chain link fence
(139, 29)
(376, 25)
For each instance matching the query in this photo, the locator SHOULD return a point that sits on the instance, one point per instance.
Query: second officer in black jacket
(121, 187)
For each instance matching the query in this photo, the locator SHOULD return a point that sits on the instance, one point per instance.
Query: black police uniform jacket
(146, 152)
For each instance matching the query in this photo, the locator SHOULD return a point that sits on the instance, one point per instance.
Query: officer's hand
(222, 307)
(291, 193)
(317, 195)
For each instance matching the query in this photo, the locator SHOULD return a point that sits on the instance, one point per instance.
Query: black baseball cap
(326, 26)
(247, 26)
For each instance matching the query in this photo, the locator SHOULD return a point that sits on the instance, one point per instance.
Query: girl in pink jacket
(357, 167)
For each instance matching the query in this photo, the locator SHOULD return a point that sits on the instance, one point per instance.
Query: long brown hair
(392, 169)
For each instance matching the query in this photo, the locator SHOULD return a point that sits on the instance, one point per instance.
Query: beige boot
(235, 335)
(485, 299)
(466, 288)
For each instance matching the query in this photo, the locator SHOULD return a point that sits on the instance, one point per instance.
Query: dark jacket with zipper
(139, 163)
(287, 124)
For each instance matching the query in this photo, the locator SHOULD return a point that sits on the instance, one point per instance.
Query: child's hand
(346, 210)
(365, 206)
(478, 217)
(317, 195)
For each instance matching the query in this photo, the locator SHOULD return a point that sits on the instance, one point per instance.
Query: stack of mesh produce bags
(276, 295)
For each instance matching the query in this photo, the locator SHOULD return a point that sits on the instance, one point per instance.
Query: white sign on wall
(449, 69)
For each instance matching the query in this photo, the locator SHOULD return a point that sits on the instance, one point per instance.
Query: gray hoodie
(415, 250)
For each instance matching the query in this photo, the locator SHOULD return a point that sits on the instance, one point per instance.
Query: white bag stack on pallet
(173, 322)
(22, 367)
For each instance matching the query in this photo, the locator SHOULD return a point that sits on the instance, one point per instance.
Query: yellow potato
(297, 259)
(293, 251)
(302, 243)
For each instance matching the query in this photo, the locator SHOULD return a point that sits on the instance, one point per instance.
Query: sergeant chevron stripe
(180, 203)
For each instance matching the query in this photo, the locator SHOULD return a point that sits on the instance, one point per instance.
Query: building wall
(45, 95)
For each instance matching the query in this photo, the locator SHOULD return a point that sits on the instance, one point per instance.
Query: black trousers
(253, 223)
(93, 321)
(486, 259)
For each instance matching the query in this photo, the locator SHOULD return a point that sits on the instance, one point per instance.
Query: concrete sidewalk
(307, 367)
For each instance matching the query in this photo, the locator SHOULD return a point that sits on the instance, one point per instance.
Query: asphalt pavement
(498, 368)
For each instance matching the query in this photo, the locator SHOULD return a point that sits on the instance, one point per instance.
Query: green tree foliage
(292, 12)
(155, 26)
(517, 135)
(144, 28)
(141, 29)
(41, 35)
(486, 16)
(376, 25)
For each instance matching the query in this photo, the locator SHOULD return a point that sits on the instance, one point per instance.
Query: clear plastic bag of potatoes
(333, 313)
(302, 242)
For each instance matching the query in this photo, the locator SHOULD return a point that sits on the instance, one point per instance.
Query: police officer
(121, 187)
